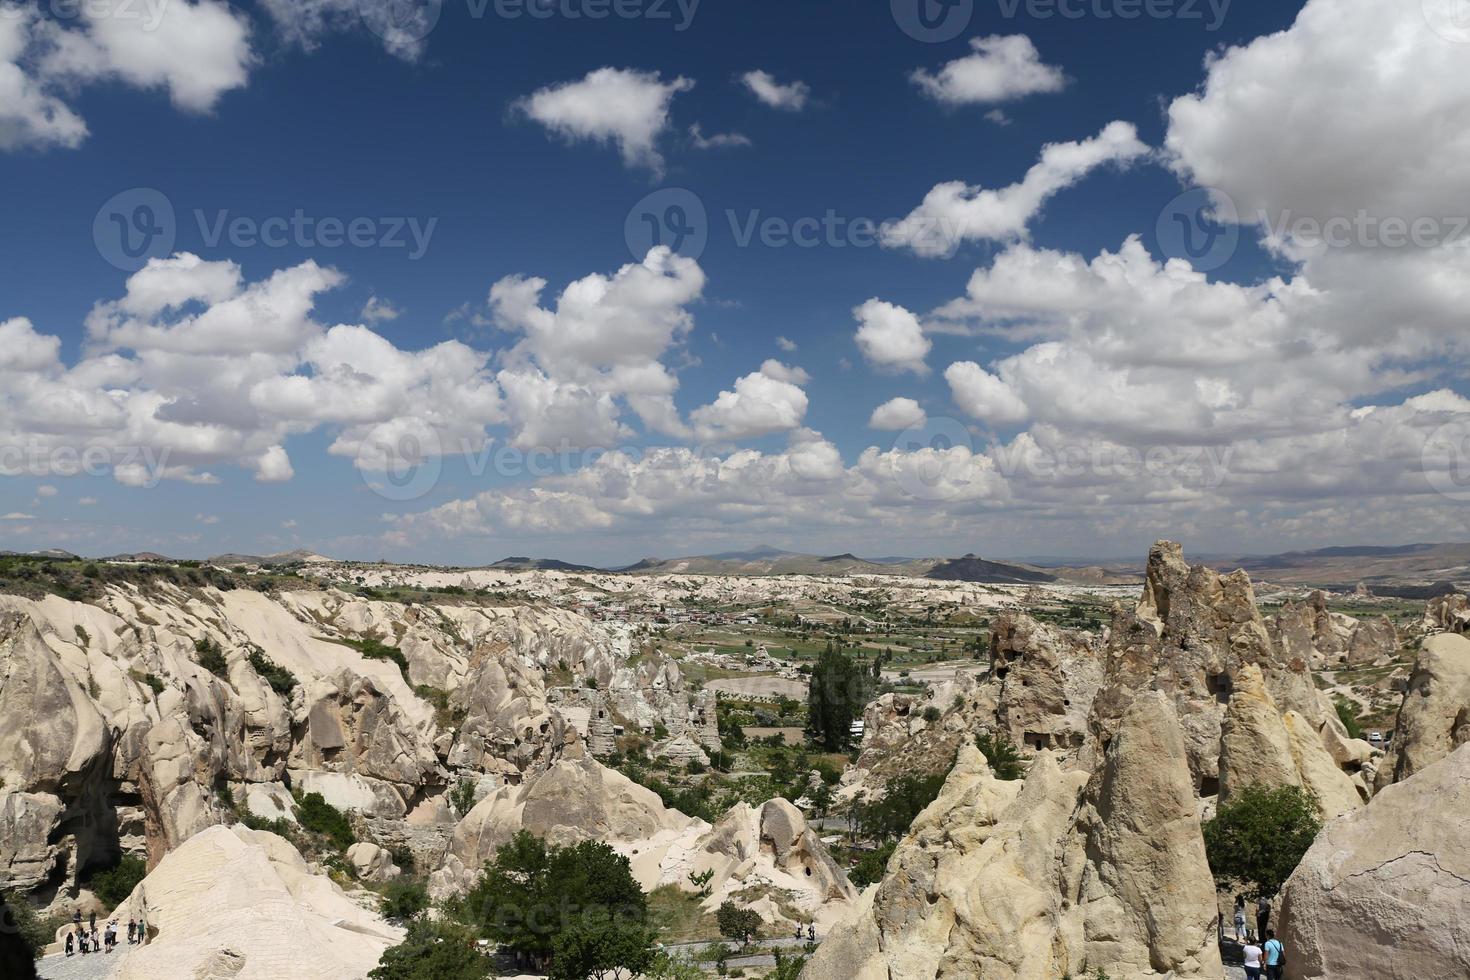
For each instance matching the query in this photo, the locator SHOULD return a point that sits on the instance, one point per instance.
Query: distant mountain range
(1409, 571)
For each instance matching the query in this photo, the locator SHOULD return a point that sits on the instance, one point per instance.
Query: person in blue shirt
(1275, 956)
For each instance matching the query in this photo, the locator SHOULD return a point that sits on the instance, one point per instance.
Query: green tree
(462, 797)
(872, 865)
(788, 967)
(1258, 837)
(114, 885)
(736, 922)
(573, 906)
(17, 918)
(1005, 760)
(666, 967)
(890, 816)
(404, 899)
(838, 691)
(433, 951)
(601, 945)
(1349, 718)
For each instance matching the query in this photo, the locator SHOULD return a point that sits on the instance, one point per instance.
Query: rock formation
(1435, 717)
(1310, 631)
(240, 904)
(1026, 881)
(1045, 679)
(1385, 891)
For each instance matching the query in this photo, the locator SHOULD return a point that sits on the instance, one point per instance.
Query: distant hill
(772, 561)
(297, 557)
(517, 563)
(1405, 570)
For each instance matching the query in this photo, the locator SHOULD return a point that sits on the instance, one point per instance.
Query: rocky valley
(269, 756)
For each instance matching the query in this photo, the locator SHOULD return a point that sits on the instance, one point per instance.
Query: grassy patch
(677, 916)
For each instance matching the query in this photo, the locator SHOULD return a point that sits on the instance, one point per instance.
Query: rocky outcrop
(1384, 891)
(237, 903)
(1192, 635)
(766, 858)
(1435, 717)
(1029, 881)
(1450, 613)
(371, 862)
(1325, 639)
(1046, 681)
(1255, 749)
(577, 798)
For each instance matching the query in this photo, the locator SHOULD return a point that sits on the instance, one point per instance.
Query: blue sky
(492, 148)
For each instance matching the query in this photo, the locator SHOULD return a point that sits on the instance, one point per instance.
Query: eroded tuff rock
(1385, 891)
(244, 899)
(1190, 636)
(1309, 630)
(1435, 717)
(1045, 679)
(1025, 881)
(765, 857)
(1448, 612)
(576, 798)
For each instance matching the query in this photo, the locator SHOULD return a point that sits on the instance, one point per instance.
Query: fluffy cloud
(999, 68)
(790, 96)
(955, 212)
(769, 400)
(890, 337)
(983, 395)
(896, 414)
(195, 51)
(1377, 122)
(627, 107)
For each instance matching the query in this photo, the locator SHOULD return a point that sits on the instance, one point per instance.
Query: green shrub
(871, 866)
(404, 899)
(1000, 752)
(211, 658)
(433, 951)
(374, 649)
(317, 815)
(737, 923)
(155, 682)
(114, 885)
(16, 915)
(279, 678)
(931, 714)
(1349, 717)
(462, 796)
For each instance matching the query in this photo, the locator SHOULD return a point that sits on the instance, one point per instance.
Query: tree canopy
(433, 951)
(890, 816)
(1001, 753)
(736, 922)
(839, 689)
(1258, 837)
(577, 908)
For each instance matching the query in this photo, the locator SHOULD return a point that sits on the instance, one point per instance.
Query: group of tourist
(1263, 953)
(86, 940)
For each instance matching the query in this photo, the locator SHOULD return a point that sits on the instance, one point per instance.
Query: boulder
(1046, 679)
(371, 862)
(1385, 891)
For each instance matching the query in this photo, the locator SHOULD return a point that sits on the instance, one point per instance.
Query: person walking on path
(1252, 955)
(1275, 956)
(1240, 918)
(1263, 918)
(70, 945)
